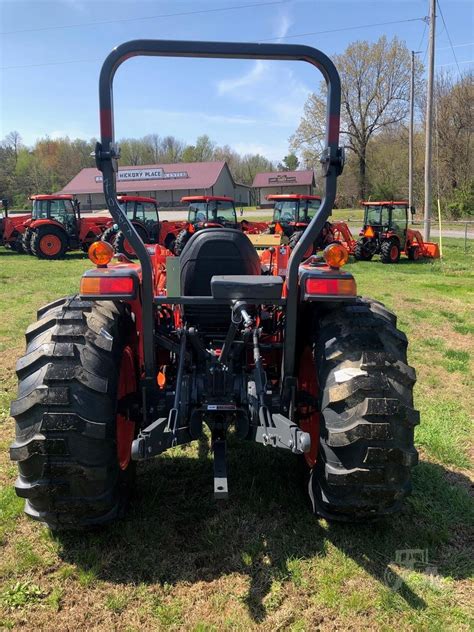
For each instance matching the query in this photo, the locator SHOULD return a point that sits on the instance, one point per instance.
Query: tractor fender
(38, 223)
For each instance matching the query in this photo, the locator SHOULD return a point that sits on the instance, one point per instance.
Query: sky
(51, 53)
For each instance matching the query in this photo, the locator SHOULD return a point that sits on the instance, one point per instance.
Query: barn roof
(183, 175)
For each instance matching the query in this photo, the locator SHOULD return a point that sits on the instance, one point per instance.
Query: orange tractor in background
(56, 226)
(11, 228)
(292, 214)
(386, 233)
(212, 211)
(143, 213)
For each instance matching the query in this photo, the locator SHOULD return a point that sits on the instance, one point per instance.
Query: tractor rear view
(387, 234)
(277, 347)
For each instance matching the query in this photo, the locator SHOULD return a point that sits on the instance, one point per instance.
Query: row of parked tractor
(56, 226)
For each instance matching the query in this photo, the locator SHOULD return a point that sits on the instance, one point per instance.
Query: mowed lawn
(260, 560)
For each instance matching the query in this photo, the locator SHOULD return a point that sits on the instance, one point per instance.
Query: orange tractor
(11, 228)
(386, 233)
(56, 226)
(292, 214)
(212, 211)
(143, 213)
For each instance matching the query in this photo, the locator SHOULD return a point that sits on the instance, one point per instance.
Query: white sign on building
(125, 175)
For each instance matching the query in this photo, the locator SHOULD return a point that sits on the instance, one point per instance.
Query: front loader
(273, 347)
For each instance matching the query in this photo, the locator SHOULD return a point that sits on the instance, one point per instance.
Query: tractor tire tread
(367, 415)
(65, 445)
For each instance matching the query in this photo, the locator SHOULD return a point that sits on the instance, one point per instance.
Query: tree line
(375, 80)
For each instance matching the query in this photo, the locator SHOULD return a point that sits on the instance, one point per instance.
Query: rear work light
(122, 286)
(330, 287)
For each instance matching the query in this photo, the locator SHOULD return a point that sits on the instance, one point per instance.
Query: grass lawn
(259, 561)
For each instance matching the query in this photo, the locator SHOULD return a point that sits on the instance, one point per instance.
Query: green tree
(375, 91)
(289, 163)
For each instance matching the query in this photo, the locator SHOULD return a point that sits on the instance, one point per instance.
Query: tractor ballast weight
(282, 349)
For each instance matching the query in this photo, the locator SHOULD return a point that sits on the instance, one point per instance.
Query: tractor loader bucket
(430, 250)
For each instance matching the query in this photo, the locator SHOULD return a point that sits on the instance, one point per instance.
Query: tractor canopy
(211, 210)
(294, 208)
(54, 207)
(386, 216)
(138, 208)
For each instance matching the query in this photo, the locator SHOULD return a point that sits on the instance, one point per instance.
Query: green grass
(182, 561)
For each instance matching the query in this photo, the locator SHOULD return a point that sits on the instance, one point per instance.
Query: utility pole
(429, 122)
(410, 133)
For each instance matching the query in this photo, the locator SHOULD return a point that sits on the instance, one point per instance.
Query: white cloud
(273, 152)
(204, 116)
(246, 81)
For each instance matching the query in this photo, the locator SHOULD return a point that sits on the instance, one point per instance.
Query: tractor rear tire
(122, 245)
(109, 235)
(181, 240)
(26, 241)
(366, 449)
(361, 254)
(390, 252)
(49, 242)
(66, 413)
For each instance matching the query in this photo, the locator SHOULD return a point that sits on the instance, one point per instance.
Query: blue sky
(48, 76)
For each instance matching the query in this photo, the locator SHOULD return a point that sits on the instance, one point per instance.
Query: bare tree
(375, 90)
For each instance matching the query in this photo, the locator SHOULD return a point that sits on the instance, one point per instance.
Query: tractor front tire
(26, 241)
(414, 253)
(361, 253)
(71, 442)
(49, 242)
(181, 240)
(390, 252)
(366, 449)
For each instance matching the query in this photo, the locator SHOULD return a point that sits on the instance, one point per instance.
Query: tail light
(110, 286)
(330, 287)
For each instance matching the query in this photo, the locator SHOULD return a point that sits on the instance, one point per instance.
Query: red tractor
(143, 213)
(56, 226)
(386, 233)
(279, 348)
(292, 214)
(11, 228)
(212, 211)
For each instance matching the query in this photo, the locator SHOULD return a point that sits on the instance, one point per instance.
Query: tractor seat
(210, 252)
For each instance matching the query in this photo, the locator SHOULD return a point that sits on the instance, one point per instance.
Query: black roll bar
(107, 155)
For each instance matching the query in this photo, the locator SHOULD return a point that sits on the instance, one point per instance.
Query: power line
(344, 28)
(270, 39)
(146, 17)
(449, 36)
(467, 61)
